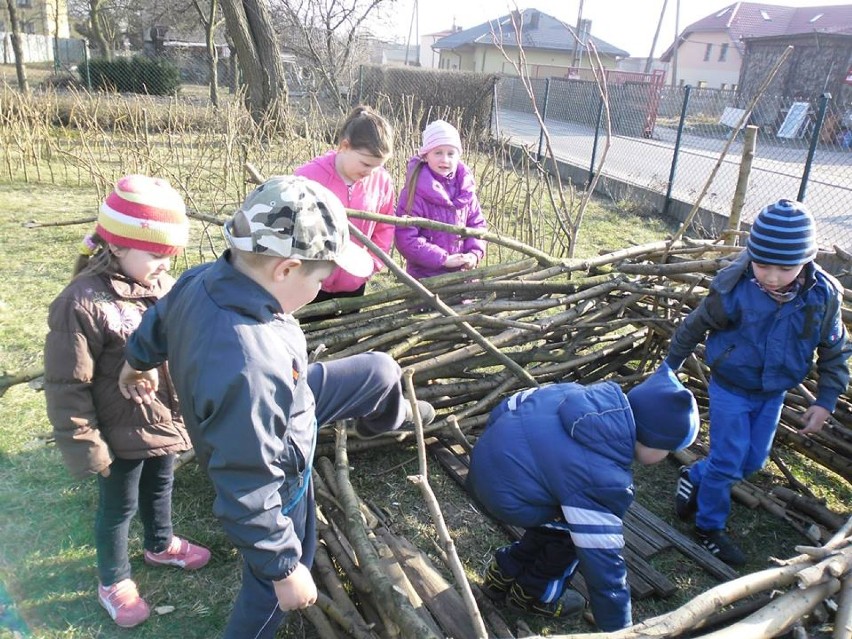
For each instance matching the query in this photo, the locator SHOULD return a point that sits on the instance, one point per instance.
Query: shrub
(151, 76)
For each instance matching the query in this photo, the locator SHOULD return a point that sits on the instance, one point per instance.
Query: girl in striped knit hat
(129, 448)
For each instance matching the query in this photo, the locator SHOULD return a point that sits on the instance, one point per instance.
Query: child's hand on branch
(813, 419)
(140, 386)
(470, 261)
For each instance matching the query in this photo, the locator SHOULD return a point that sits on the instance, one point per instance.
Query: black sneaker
(721, 546)
(686, 496)
(495, 584)
(570, 602)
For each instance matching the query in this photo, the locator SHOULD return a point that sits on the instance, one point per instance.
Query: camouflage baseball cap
(292, 216)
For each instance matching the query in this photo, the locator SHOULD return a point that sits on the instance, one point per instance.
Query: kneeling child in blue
(557, 462)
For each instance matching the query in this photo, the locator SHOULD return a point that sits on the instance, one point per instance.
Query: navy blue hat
(664, 410)
(783, 233)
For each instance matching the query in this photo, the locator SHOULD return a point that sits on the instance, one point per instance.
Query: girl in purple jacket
(439, 187)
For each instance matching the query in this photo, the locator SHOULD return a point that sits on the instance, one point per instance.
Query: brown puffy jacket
(89, 323)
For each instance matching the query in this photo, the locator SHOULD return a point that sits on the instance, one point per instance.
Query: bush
(151, 76)
(463, 97)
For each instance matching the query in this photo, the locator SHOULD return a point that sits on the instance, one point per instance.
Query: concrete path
(776, 170)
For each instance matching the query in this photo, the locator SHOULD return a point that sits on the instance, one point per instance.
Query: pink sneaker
(180, 553)
(123, 603)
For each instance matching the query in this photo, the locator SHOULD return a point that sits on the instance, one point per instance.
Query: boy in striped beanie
(765, 316)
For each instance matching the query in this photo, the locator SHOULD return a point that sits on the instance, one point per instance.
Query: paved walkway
(776, 170)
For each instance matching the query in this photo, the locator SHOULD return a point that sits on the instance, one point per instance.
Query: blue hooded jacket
(759, 347)
(562, 454)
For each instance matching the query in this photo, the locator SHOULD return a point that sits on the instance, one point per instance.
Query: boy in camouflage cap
(250, 400)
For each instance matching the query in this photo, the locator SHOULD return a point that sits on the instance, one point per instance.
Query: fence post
(803, 187)
(595, 142)
(749, 142)
(493, 113)
(543, 117)
(86, 62)
(686, 91)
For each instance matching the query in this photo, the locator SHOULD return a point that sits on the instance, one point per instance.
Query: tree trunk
(250, 26)
(95, 7)
(209, 22)
(20, 69)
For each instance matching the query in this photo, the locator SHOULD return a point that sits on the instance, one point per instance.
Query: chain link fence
(668, 140)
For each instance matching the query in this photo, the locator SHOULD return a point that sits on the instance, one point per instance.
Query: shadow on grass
(47, 554)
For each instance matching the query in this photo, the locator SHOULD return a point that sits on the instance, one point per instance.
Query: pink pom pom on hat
(144, 213)
(439, 133)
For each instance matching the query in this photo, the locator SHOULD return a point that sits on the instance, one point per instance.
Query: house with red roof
(550, 48)
(710, 52)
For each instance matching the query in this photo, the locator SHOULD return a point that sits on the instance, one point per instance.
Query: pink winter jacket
(374, 193)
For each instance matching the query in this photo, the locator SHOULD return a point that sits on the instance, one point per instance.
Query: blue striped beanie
(784, 233)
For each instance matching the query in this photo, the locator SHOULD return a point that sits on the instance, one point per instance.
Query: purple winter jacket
(451, 200)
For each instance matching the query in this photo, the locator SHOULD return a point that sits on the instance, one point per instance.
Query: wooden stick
(422, 480)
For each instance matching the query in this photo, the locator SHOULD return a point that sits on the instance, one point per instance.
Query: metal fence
(668, 140)
(42, 48)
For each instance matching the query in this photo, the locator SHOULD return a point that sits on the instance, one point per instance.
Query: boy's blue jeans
(366, 385)
(741, 432)
(143, 484)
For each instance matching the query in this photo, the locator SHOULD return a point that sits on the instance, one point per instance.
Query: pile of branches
(465, 340)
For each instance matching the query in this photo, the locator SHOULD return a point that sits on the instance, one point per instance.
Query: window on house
(702, 84)
(734, 86)
(708, 51)
(765, 16)
(28, 27)
(25, 3)
(723, 52)
(816, 17)
(724, 86)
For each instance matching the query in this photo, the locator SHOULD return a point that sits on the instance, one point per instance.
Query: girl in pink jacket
(355, 173)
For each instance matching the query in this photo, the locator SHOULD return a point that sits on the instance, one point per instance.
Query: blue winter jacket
(239, 364)
(562, 454)
(759, 347)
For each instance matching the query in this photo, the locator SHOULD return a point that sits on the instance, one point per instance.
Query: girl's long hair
(95, 256)
(411, 185)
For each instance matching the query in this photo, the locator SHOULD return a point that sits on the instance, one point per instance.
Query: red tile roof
(755, 20)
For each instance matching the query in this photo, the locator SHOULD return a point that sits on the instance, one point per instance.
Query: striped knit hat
(784, 234)
(144, 213)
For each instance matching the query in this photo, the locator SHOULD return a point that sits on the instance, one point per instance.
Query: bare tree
(250, 26)
(20, 69)
(208, 20)
(326, 34)
(99, 27)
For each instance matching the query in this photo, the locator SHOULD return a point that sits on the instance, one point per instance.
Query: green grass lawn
(47, 557)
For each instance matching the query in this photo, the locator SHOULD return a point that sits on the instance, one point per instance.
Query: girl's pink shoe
(123, 603)
(180, 553)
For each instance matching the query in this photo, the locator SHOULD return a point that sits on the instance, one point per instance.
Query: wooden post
(749, 143)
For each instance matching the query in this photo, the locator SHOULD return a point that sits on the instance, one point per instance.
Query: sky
(626, 24)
